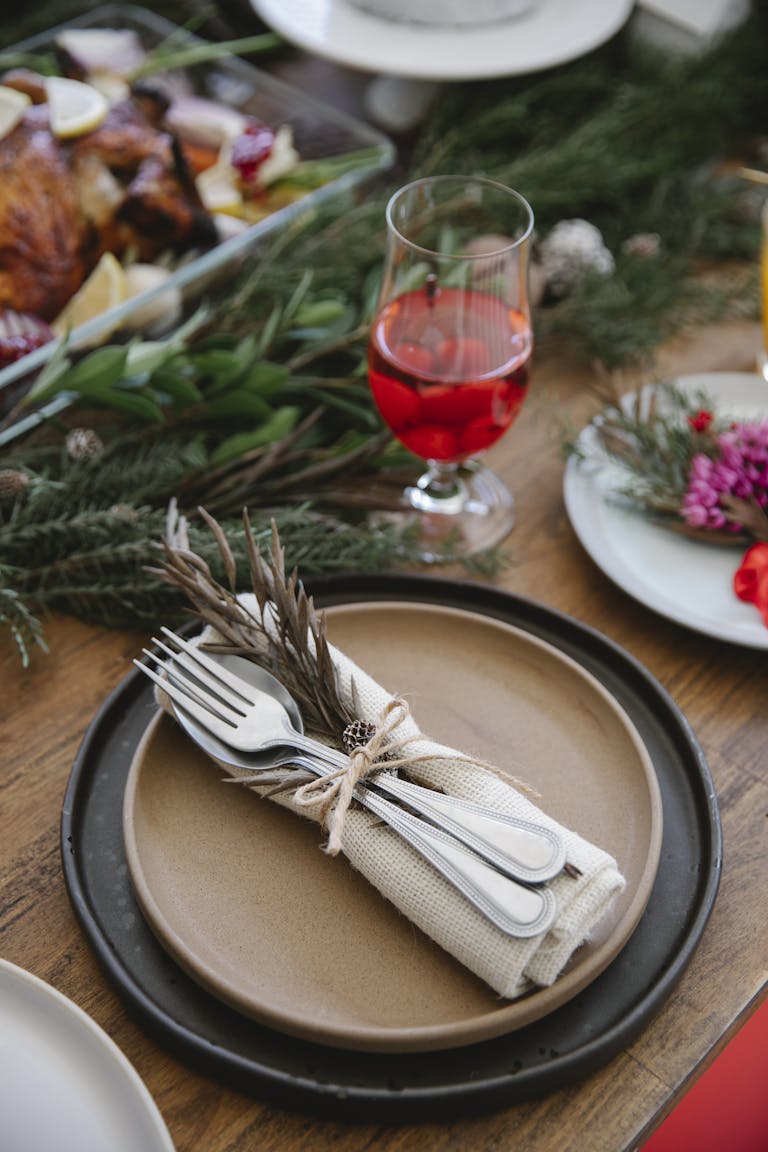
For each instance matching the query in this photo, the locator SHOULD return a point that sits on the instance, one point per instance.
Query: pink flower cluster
(740, 468)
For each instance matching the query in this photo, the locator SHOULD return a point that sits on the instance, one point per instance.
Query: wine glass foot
(469, 511)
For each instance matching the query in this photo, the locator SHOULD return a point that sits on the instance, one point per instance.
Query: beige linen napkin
(510, 966)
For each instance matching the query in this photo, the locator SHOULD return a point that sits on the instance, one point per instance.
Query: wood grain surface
(721, 689)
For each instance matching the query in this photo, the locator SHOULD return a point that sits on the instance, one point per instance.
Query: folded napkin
(510, 966)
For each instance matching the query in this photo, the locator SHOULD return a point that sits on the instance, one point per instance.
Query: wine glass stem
(441, 489)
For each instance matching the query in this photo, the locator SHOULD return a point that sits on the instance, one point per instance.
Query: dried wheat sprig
(287, 635)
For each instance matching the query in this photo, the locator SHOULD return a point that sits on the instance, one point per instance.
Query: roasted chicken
(123, 187)
(43, 257)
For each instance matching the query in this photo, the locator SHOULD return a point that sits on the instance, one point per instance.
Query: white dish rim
(91, 1042)
(549, 33)
(582, 488)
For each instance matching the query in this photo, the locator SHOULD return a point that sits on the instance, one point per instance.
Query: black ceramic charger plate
(563, 1047)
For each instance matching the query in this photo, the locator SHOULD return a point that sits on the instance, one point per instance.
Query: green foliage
(97, 568)
(25, 629)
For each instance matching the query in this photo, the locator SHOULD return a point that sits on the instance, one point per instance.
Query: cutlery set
(247, 719)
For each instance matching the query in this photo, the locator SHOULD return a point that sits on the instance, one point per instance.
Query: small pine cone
(124, 512)
(12, 483)
(83, 443)
(642, 244)
(357, 734)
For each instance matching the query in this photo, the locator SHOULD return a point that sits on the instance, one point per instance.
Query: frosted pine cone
(82, 443)
(642, 244)
(572, 248)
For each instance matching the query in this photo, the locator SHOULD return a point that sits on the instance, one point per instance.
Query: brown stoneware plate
(240, 894)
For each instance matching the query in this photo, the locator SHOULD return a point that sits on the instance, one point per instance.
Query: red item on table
(750, 581)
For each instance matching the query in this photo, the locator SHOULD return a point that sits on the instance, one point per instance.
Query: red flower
(701, 420)
(750, 582)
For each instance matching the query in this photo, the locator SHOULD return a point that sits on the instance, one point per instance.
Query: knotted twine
(335, 791)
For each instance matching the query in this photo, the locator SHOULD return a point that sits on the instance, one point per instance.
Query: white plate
(550, 32)
(64, 1084)
(687, 581)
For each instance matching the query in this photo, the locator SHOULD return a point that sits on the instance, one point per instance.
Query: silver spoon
(522, 850)
(515, 909)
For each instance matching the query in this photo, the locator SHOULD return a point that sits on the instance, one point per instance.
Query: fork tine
(202, 714)
(215, 705)
(232, 681)
(207, 682)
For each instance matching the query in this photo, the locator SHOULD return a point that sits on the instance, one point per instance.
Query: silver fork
(517, 910)
(252, 716)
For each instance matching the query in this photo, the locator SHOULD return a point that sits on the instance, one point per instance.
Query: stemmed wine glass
(450, 348)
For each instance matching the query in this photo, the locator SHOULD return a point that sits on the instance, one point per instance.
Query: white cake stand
(410, 58)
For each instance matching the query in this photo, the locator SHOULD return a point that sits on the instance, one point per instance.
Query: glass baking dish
(319, 132)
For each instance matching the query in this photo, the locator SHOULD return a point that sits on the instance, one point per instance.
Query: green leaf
(221, 365)
(297, 296)
(148, 356)
(237, 402)
(270, 328)
(320, 313)
(176, 386)
(266, 378)
(226, 365)
(45, 63)
(134, 402)
(98, 371)
(49, 382)
(282, 421)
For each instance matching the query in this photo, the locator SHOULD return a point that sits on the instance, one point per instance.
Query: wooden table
(721, 689)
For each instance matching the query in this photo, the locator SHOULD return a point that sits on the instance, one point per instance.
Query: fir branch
(97, 569)
(591, 138)
(25, 629)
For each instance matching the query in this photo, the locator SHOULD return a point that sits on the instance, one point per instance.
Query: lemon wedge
(105, 288)
(115, 50)
(74, 107)
(12, 105)
(218, 188)
(159, 313)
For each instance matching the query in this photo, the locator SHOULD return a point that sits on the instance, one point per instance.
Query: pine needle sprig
(647, 435)
(25, 629)
(653, 438)
(98, 569)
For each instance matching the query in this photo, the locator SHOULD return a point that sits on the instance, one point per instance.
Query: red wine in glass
(448, 369)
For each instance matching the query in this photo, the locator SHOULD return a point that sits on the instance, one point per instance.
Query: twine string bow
(335, 791)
